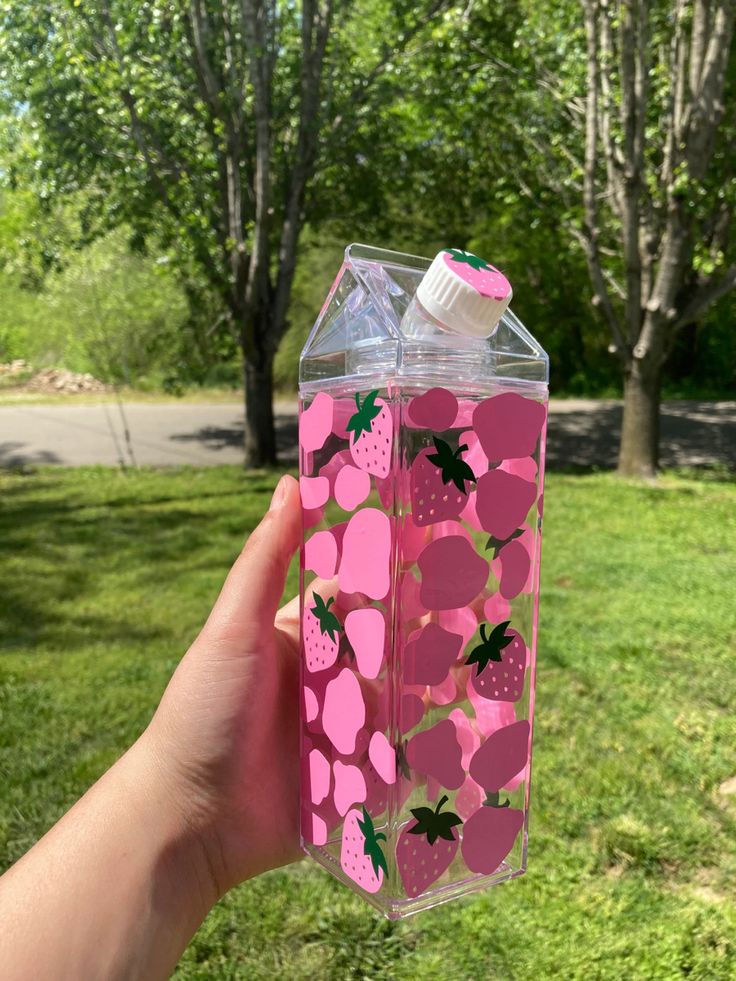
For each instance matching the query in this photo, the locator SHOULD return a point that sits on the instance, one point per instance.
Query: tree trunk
(639, 450)
(260, 433)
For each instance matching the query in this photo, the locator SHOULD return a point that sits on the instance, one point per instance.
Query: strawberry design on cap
(426, 850)
(476, 272)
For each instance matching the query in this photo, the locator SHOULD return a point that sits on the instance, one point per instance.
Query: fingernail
(279, 495)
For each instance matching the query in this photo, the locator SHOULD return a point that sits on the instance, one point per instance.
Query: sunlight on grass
(106, 577)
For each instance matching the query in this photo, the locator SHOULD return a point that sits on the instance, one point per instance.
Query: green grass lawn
(106, 576)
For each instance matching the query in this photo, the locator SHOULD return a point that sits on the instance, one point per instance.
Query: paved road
(582, 434)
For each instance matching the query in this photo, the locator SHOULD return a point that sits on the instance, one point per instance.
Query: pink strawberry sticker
(313, 828)
(349, 787)
(382, 756)
(343, 715)
(466, 735)
(320, 554)
(319, 776)
(320, 628)
(411, 606)
(311, 705)
(468, 799)
(509, 425)
(503, 502)
(439, 483)
(490, 715)
(314, 492)
(371, 435)
(352, 487)
(500, 662)
(489, 835)
(437, 753)
(366, 631)
(426, 848)
(445, 693)
(524, 467)
(452, 573)
(315, 423)
(429, 655)
(334, 467)
(435, 409)
(478, 273)
(462, 621)
(504, 754)
(365, 566)
(496, 608)
(361, 857)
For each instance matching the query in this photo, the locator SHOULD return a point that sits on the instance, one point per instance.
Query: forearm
(115, 890)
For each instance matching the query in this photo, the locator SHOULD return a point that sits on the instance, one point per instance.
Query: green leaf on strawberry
(360, 421)
(328, 622)
(494, 800)
(474, 261)
(498, 543)
(452, 467)
(371, 848)
(433, 824)
(491, 646)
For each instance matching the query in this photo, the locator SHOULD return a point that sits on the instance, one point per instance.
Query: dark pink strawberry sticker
(500, 662)
(501, 757)
(436, 752)
(452, 573)
(508, 425)
(412, 710)
(515, 566)
(429, 655)
(488, 837)
(435, 409)
(503, 502)
(440, 482)
(426, 847)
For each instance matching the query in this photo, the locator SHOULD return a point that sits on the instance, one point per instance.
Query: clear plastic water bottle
(422, 430)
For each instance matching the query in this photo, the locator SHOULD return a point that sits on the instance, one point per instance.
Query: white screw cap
(464, 292)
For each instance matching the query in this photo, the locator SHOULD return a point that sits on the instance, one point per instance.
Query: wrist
(178, 848)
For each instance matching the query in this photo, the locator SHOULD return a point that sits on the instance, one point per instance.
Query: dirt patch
(20, 376)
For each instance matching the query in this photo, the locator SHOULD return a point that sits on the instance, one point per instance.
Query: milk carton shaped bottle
(423, 405)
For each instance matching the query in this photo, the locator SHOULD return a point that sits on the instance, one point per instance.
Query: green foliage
(106, 311)
(106, 577)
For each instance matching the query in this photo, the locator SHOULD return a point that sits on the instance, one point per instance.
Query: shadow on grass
(60, 553)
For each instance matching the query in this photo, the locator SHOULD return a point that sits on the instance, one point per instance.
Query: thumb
(249, 599)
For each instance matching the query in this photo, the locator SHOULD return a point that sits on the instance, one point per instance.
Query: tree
(204, 122)
(615, 125)
(658, 157)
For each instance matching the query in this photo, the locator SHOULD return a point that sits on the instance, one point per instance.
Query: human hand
(224, 738)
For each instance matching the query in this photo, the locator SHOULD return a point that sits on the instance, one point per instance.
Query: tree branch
(589, 239)
(708, 294)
